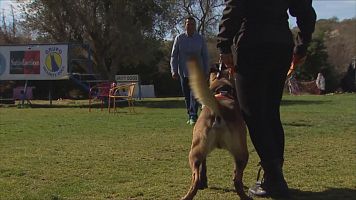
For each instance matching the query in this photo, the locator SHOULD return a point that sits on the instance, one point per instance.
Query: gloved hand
(296, 60)
(227, 59)
(175, 76)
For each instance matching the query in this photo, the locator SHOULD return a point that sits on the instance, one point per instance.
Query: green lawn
(65, 152)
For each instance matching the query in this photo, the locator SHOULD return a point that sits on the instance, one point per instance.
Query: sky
(325, 9)
(342, 9)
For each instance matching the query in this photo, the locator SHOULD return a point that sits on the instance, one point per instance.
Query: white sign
(34, 62)
(127, 78)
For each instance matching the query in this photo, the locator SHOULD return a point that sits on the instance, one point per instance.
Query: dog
(220, 125)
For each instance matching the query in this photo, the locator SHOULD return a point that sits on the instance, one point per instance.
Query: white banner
(127, 78)
(34, 62)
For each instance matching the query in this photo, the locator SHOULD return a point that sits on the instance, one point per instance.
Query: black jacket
(255, 22)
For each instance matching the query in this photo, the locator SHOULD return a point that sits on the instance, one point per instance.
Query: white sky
(325, 9)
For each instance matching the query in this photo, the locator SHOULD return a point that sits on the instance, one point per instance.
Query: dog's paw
(202, 186)
(186, 198)
(245, 197)
(203, 183)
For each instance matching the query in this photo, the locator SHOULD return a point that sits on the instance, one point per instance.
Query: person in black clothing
(263, 49)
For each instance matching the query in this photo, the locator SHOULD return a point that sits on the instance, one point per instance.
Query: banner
(127, 78)
(34, 62)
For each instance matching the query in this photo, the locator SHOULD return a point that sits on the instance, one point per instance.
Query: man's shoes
(277, 190)
(257, 190)
(272, 184)
(192, 121)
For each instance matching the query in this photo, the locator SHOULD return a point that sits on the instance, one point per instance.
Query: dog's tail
(199, 86)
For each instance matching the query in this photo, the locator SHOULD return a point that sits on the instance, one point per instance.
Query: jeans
(190, 102)
(261, 74)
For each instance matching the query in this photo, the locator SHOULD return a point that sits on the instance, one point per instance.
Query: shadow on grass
(148, 104)
(329, 194)
(162, 104)
(302, 102)
(66, 105)
(298, 124)
(225, 189)
(63, 106)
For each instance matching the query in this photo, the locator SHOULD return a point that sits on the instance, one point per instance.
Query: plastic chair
(122, 93)
(99, 92)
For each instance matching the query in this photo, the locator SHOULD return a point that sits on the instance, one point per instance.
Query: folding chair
(122, 93)
(99, 92)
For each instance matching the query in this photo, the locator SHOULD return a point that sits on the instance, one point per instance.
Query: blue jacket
(184, 47)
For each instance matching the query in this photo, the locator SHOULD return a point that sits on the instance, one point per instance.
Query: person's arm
(174, 58)
(230, 24)
(306, 17)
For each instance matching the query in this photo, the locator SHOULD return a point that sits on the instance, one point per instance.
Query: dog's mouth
(226, 91)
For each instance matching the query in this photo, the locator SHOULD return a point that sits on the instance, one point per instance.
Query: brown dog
(220, 125)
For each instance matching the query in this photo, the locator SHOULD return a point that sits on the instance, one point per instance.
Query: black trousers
(261, 74)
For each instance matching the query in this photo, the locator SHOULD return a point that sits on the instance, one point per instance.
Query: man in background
(188, 44)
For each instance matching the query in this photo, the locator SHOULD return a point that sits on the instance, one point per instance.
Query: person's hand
(227, 59)
(175, 76)
(296, 60)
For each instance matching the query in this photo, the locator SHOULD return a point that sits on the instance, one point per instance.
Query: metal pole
(23, 95)
(139, 88)
(354, 66)
(50, 93)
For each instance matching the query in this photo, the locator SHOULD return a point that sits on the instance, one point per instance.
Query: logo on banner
(53, 62)
(2, 64)
(24, 62)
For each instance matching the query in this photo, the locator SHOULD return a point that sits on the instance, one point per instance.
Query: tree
(206, 12)
(340, 37)
(8, 30)
(120, 32)
(317, 61)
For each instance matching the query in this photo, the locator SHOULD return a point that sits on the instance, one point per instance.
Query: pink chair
(99, 92)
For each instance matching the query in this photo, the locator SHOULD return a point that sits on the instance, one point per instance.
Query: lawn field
(64, 152)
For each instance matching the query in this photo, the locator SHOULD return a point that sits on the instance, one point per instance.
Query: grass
(65, 152)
